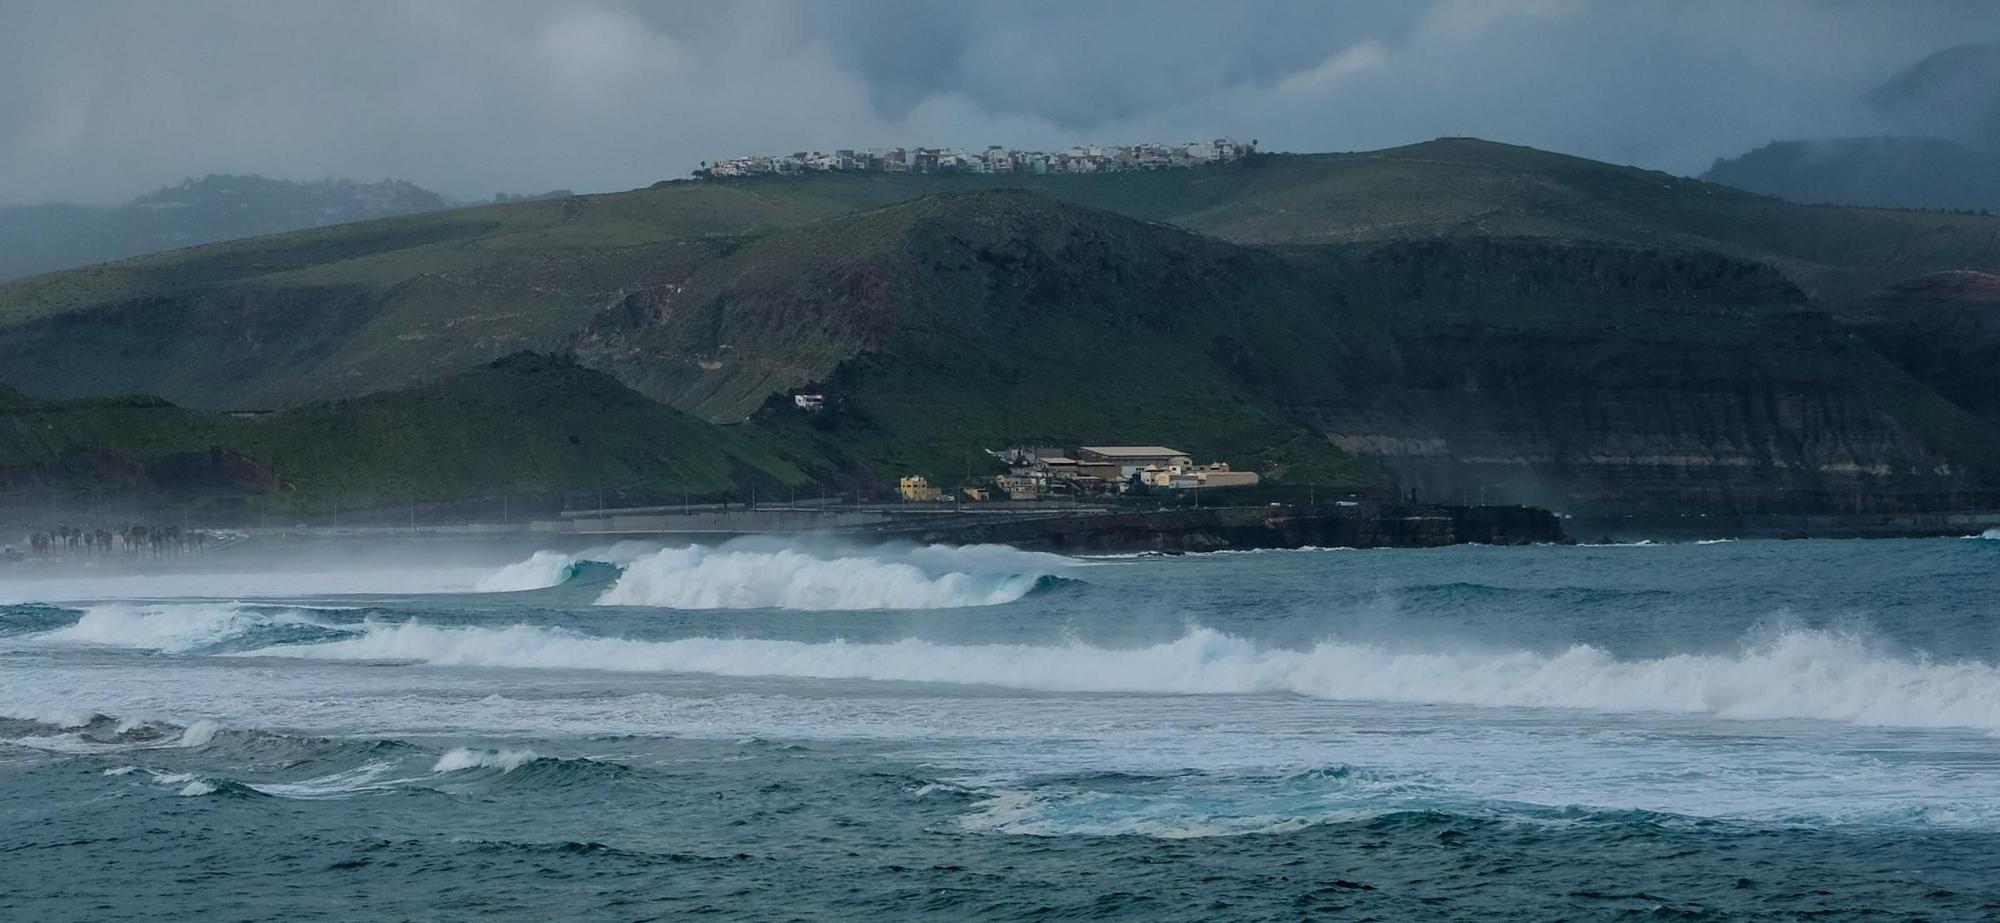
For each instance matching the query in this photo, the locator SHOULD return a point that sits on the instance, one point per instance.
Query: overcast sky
(103, 99)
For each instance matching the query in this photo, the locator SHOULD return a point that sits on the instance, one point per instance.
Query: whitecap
(753, 576)
(1809, 674)
(461, 758)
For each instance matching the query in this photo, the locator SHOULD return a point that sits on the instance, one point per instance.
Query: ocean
(770, 730)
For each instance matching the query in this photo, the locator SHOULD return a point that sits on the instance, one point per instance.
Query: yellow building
(1219, 475)
(917, 489)
(1181, 477)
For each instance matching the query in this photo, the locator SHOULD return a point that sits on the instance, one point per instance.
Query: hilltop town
(1041, 472)
(994, 159)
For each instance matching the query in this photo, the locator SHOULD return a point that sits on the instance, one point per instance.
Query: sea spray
(461, 758)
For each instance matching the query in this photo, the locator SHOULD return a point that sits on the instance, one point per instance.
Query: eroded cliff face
(1765, 447)
(1722, 395)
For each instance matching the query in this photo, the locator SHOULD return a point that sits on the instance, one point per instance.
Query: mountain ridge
(1455, 317)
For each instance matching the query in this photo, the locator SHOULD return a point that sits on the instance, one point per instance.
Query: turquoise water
(762, 731)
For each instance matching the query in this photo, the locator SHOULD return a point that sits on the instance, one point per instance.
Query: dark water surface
(1752, 730)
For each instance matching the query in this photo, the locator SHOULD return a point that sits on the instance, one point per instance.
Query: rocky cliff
(1597, 381)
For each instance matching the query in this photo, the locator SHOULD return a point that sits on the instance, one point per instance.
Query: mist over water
(1006, 720)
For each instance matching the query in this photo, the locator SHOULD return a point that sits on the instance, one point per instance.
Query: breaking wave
(1190, 805)
(459, 758)
(544, 569)
(763, 574)
(177, 628)
(1808, 674)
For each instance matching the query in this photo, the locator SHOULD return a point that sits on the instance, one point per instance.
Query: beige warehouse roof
(1137, 451)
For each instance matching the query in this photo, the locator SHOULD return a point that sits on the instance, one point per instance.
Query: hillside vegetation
(383, 304)
(526, 425)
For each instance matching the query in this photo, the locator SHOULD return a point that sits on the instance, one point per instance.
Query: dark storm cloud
(105, 99)
(1083, 64)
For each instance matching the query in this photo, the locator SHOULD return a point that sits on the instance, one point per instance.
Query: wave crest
(541, 570)
(461, 758)
(179, 628)
(751, 577)
(1797, 674)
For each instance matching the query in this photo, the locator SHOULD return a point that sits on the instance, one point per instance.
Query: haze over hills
(1891, 172)
(1953, 93)
(44, 238)
(1459, 317)
(1939, 147)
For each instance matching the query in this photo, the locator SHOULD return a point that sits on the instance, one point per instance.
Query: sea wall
(1360, 526)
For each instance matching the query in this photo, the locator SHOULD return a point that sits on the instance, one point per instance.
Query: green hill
(967, 321)
(530, 426)
(383, 304)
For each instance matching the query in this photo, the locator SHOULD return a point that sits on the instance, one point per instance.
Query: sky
(104, 99)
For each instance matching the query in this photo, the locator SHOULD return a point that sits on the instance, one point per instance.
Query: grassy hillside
(385, 304)
(526, 426)
(955, 323)
(1465, 187)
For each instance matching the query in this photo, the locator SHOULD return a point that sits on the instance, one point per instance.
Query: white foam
(460, 758)
(1796, 674)
(61, 716)
(166, 627)
(120, 771)
(197, 788)
(758, 576)
(364, 778)
(1167, 817)
(199, 734)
